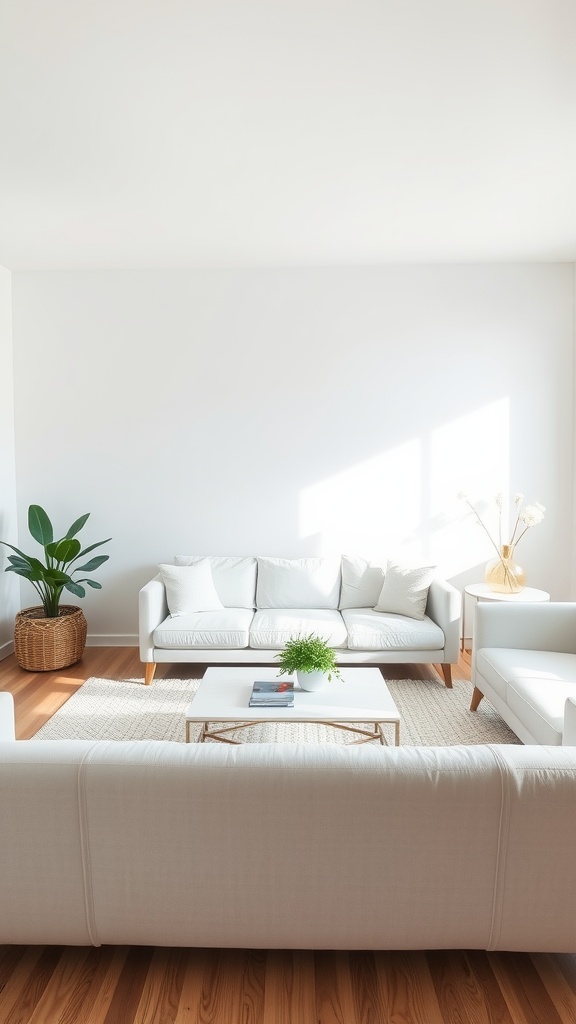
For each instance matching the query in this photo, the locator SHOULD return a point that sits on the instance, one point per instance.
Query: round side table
(482, 592)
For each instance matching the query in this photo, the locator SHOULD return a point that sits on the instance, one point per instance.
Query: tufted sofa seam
(85, 850)
(501, 850)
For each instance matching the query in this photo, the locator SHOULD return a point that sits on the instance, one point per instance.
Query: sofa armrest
(443, 607)
(152, 610)
(7, 727)
(532, 627)
(569, 731)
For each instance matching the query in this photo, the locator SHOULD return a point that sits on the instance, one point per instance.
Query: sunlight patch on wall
(404, 502)
(472, 455)
(369, 509)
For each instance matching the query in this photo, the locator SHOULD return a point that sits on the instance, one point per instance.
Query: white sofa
(287, 846)
(265, 601)
(524, 663)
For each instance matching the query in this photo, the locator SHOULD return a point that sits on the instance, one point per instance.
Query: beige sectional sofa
(244, 609)
(286, 846)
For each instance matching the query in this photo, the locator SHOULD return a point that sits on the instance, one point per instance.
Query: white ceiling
(182, 133)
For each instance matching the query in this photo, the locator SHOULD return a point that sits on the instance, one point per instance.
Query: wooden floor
(141, 985)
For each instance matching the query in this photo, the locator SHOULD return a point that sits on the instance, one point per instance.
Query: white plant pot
(312, 680)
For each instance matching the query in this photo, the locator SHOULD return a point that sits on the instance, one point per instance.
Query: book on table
(277, 693)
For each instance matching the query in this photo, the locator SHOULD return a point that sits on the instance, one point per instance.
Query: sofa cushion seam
(85, 851)
(501, 851)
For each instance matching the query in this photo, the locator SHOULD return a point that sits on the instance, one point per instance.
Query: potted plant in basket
(310, 657)
(52, 635)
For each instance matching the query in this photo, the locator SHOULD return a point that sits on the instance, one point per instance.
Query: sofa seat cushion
(377, 631)
(540, 706)
(273, 627)
(500, 666)
(227, 628)
(534, 684)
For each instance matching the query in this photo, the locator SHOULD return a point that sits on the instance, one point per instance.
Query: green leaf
(308, 654)
(39, 525)
(55, 576)
(38, 567)
(76, 589)
(94, 563)
(93, 546)
(27, 571)
(66, 550)
(17, 550)
(21, 571)
(49, 581)
(77, 526)
(17, 560)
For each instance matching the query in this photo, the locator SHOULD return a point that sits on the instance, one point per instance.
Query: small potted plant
(52, 635)
(313, 661)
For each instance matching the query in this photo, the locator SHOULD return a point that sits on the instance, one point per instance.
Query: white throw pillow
(190, 588)
(405, 590)
(361, 582)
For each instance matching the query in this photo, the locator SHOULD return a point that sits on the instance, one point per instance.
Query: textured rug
(108, 709)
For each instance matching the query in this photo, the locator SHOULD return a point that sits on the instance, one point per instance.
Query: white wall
(572, 547)
(9, 589)
(294, 412)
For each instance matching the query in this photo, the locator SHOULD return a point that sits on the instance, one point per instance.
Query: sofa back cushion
(361, 582)
(234, 578)
(298, 583)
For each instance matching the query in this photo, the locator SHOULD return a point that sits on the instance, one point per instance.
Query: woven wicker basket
(42, 645)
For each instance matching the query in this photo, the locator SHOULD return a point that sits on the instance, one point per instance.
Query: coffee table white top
(361, 696)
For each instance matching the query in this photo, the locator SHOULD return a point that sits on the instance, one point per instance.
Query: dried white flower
(532, 515)
(526, 518)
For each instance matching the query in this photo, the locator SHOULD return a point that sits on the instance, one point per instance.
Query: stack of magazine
(276, 694)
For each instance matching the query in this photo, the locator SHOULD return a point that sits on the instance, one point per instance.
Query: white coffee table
(360, 697)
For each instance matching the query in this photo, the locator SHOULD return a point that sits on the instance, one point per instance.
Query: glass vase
(503, 575)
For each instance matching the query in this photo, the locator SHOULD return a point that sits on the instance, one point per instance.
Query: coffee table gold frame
(366, 735)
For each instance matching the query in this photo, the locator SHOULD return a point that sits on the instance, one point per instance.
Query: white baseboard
(112, 640)
(6, 649)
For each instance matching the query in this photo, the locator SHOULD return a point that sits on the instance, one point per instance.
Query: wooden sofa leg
(149, 672)
(476, 698)
(447, 673)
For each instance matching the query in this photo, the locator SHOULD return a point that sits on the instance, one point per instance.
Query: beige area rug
(108, 709)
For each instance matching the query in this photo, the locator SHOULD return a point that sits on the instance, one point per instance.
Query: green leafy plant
(308, 654)
(55, 574)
